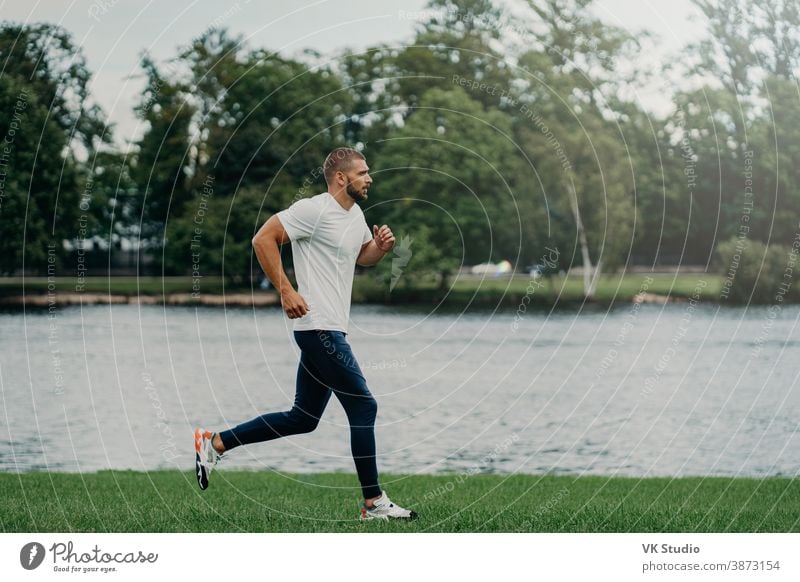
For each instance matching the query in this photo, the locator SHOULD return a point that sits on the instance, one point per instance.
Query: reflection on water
(649, 390)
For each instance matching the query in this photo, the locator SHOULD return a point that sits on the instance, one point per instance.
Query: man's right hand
(293, 304)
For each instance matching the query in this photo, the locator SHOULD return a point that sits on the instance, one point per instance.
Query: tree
(754, 272)
(459, 41)
(44, 59)
(568, 122)
(415, 260)
(47, 117)
(444, 176)
(741, 125)
(278, 117)
(161, 168)
(243, 120)
(214, 238)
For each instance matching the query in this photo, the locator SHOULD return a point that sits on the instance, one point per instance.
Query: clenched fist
(293, 304)
(383, 237)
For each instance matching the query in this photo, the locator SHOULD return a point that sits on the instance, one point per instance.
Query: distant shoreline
(518, 292)
(61, 298)
(267, 299)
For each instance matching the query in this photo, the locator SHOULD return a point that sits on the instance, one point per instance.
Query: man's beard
(353, 192)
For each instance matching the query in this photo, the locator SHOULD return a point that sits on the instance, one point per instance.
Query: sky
(114, 33)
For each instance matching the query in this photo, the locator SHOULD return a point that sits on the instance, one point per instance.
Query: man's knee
(369, 409)
(302, 421)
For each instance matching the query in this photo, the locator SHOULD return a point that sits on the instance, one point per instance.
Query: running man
(329, 235)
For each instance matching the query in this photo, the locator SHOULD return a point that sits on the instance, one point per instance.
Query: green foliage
(43, 59)
(247, 120)
(162, 171)
(213, 238)
(446, 169)
(740, 127)
(415, 260)
(115, 206)
(777, 168)
(477, 130)
(754, 272)
(41, 91)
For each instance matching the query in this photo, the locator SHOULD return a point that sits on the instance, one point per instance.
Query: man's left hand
(383, 237)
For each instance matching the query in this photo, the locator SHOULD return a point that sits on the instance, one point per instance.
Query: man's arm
(266, 244)
(373, 251)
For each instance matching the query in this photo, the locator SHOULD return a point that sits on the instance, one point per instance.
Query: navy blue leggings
(327, 364)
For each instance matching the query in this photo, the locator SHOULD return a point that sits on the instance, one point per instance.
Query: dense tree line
(490, 136)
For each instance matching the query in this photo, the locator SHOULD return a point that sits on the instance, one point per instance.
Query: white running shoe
(206, 456)
(383, 508)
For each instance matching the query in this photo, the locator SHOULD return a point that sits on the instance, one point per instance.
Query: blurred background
(596, 206)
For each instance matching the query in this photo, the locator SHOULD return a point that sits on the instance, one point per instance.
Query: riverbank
(170, 501)
(515, 292)
(62, 298)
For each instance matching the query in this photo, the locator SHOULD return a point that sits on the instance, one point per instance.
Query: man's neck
(343, 198)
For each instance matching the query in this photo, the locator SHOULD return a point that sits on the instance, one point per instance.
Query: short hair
(340, 160)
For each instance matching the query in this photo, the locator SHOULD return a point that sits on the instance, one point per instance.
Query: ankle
(217, 443)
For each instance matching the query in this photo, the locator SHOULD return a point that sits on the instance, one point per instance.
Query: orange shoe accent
(198, 438)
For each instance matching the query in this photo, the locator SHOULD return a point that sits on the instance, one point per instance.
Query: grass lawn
(115, 285)
(170, 501)
(509, 291)
(615, 286)
(490, 291)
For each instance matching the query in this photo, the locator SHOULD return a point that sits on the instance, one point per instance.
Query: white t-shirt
(326, 240)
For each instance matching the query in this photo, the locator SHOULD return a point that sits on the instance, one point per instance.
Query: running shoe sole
(367, 516)
(200, 469)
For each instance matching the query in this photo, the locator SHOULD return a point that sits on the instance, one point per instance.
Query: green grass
(491, 292)
(621, 286)
(115, 285)
(170, 501)
(509, 291)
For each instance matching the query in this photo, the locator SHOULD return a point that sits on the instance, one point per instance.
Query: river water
(636, 390)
